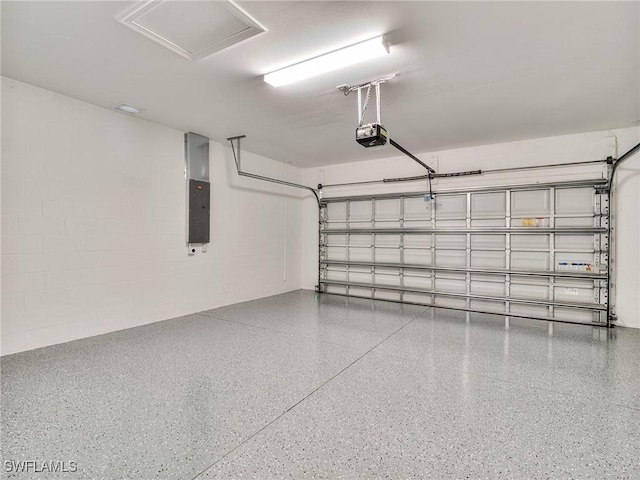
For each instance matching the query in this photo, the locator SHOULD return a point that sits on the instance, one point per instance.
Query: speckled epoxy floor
(298, 387)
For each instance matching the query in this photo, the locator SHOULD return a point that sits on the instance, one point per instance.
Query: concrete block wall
(93, 223)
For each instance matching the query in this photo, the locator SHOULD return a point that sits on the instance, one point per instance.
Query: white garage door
(533, 251)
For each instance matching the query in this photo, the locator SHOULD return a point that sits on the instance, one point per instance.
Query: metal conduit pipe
(459, 174)
(237, 160)
(615, 165)
(622, 159)
(236, 157)
(602, 183)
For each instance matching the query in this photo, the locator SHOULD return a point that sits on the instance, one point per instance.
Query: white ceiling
(469, 73)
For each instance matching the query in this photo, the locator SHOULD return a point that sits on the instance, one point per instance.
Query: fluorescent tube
(359, 52)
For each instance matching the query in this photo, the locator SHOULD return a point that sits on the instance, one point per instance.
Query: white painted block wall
(93, 223)
(544, 151)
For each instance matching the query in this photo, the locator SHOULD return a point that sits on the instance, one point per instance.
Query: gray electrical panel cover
(197, 156)
(197, 174)
(199, 208)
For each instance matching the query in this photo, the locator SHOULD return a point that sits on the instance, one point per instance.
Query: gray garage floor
(298, 387)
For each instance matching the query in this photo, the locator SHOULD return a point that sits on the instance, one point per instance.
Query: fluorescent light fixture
(359, 52)
(131, 110)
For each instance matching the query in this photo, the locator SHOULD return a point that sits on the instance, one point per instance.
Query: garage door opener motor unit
(371, 134)
(374, 134)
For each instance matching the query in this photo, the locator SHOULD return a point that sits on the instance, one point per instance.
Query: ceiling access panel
(192, 29)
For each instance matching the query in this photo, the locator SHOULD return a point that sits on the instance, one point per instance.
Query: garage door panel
(536, 242)
(336, 289)
(487, 222)
(417, 257)
(388, 211)
(574, 294)
(574, 283)
(574, 201)
(418, 223)
(573, 261)
(488, 288)
(388, 240)
(417, 241)
(359, 276)
(530, 260)
(486, 259)
(386, 278)
(388, 255)
(450, 258)
(573, 314)
(421, 298)
(574, 221)
(480, 277)
(337, 212)
(361, 254)
(451, 207)
(360, 211)
(451, 241)
(387, 295)
(565, 270)
(530, 291)
(421, 282)
(336, 253)
(416, 209)
(360, 240)
(528, 309)
(337, 275)
(529, 280)
(488, 241)
(360, 292)
(530, 203)
(333, 240)
(487, 306)
(573, 242)
(488, 204)
(444, 224)
(450, 302)
(450, 285)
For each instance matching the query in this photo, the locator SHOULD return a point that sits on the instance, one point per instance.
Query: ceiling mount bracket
(347, 89)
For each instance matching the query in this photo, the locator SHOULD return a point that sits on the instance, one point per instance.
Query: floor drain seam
(282, 332)
(307, 396)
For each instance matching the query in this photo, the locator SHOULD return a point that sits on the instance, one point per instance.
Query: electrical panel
(198, 190)
(199, 211)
